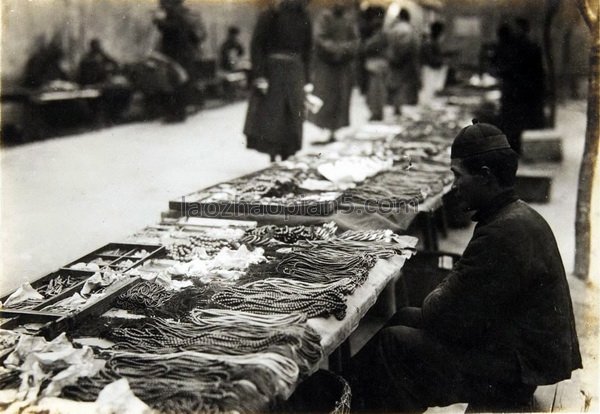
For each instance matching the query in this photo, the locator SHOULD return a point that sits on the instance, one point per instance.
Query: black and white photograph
(299, 206)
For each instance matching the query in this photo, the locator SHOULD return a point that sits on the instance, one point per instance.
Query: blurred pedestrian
(336, 47)
(231, 50)
(433, 70)
(182, 33)
(522, 76)
(517, 61)
(404, 81)
(280, 54)
(376, 66)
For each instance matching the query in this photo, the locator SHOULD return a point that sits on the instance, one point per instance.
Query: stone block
(534, 186)
(541, 145)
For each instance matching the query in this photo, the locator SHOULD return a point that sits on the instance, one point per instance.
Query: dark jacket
(183, 32)
(508, 297)
(280, 52)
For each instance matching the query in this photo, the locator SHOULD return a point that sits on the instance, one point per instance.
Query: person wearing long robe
(280, 55)
(336, 46)
(404, 81)
(182, 33)
(377, 68)
(522, 85)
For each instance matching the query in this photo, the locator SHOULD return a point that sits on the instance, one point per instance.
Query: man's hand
(262, 84)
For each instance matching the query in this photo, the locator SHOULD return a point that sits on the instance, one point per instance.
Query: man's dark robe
(497, 326)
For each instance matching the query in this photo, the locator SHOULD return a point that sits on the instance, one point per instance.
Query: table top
(333, 332)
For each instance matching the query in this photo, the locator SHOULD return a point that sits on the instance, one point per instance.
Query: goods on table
(271, 191)
(221, 317)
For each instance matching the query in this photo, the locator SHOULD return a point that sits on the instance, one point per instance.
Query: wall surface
(124, 26)
(126, 30)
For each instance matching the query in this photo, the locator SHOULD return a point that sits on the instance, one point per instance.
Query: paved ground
(64, 197)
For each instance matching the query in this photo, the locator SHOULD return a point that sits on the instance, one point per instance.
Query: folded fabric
(117, 398)
(57, 361)
(23, 293)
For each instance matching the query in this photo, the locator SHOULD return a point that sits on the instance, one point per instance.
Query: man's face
(469, 188)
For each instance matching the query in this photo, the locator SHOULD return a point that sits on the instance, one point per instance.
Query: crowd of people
(394, 66)
(168, 75)
(394, 63)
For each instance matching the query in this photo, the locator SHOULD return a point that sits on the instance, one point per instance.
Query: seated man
(500, 324)
(96, 66)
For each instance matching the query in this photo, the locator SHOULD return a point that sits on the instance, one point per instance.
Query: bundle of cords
(322, 267)
(384, 195)
(151, 299)
(277, 296)
(350, 255)
(271, 234)
(193, 382)
(225, 332)
(345, 248)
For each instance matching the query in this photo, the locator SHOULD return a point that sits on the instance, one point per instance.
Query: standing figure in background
(366, 26)
(231, 50)
(96, 66)
(521, 71)
(404, 81)
(376, 66)
(182, 33)
(433, 69)
(336, 47)
(280, 54)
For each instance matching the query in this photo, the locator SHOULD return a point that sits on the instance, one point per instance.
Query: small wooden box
(542, 145)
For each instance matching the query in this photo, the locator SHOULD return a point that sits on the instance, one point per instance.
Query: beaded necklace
(277, 295)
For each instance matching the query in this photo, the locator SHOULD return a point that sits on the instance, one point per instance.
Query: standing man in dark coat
(522, 75)
(280, 54)
(336, 46)
(500, 324)
(182, 33)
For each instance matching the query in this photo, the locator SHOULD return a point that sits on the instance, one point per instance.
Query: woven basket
(322, 392)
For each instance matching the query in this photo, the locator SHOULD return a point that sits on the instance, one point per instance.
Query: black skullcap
(477, 139)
